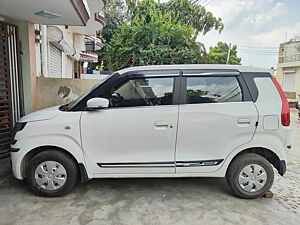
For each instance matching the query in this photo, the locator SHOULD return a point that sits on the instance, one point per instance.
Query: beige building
(288, 69)
(61, 51)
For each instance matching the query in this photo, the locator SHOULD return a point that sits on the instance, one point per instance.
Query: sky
(257, 27)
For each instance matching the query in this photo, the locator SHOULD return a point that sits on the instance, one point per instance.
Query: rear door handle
(244, 121)
(161, 124)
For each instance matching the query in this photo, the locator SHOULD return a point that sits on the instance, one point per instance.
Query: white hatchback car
(160, 121)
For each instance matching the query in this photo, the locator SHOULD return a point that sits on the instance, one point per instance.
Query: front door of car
(217, 116)
(137, 133)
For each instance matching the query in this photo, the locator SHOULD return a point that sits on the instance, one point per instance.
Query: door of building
(11, 91)
(55, 61)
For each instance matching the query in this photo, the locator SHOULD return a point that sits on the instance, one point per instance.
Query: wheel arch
(29, 155)
(268, 154)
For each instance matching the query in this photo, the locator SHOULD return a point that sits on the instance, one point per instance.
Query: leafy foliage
(153, 39)
(181, 11)
(115, 14)
(194, 15)
(157, 33)
(219, 53)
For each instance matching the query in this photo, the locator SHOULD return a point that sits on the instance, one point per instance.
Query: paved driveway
(156, 201)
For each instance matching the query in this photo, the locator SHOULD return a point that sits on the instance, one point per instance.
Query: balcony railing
(88, 56)
(290, 58)
(92, 43)
(99, 17)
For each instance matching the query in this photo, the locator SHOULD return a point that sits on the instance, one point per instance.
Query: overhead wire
(260, 47)
(199, 2)
(266, 53)
(208, 3)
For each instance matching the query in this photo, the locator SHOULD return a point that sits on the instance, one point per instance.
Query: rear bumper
(282, 167)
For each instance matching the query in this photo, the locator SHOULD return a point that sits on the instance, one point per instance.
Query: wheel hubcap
(50, 175)
(252, 178)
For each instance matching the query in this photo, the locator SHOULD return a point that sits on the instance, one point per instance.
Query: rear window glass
(213, 90)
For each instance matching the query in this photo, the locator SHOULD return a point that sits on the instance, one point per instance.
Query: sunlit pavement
(157, 201)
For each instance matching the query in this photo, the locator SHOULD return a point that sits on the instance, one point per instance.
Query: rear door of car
(216, 115)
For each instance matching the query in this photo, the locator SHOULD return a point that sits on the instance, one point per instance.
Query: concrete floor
(5, 168)
(294, 156)
(156, 201)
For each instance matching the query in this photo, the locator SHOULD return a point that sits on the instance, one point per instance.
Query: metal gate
(11, 91)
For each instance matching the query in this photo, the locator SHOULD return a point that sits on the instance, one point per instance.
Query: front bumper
(16, 164)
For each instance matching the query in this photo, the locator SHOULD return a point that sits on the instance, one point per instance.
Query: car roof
(194, 67)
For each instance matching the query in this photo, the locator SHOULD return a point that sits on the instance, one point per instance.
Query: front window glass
(213, 90)
(143, 92)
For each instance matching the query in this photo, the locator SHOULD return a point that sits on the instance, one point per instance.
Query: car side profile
(160, 121)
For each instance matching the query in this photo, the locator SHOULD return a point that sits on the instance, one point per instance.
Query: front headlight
(18, 127)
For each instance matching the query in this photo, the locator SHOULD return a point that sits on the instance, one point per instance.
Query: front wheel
(250, 176)
(51, 173)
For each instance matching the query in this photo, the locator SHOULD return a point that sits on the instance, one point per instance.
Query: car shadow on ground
(136, 185)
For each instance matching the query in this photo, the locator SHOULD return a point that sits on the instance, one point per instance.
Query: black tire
(66, 161)
(240, 162)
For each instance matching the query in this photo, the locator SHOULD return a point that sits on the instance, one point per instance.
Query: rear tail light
(285, 111)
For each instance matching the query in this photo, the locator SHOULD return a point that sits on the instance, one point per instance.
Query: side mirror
(97, 103)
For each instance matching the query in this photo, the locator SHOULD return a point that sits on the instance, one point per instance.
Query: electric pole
(228, 55)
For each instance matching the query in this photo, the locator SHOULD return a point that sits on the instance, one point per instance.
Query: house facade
(40, 38)
(288, 68)
(61, 51)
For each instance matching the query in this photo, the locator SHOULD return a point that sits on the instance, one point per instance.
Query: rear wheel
(250, 175)
(51, 173)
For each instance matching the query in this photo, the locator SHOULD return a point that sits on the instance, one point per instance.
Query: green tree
(219, 54)
(181, 11)
(151, 41)
(159, 33)
(115, 14)
(185, 12)
(119, 12)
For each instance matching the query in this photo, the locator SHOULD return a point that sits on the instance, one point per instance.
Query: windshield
(71, 104)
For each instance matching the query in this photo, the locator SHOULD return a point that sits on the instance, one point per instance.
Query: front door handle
(244, 121)
(161, 124)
